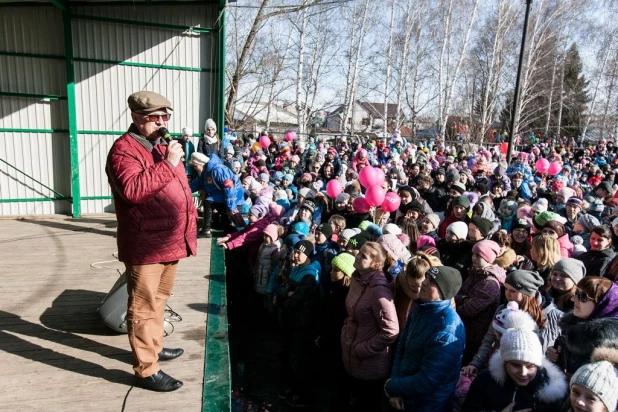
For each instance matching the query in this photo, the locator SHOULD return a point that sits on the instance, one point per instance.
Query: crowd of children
(488, 288)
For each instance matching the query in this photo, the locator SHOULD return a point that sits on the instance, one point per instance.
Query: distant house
(252, 117)
(367, 117)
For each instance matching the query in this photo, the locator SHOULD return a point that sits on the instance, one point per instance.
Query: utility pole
(522, 52)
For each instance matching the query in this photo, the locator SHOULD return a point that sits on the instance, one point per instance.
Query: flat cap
(148, 102)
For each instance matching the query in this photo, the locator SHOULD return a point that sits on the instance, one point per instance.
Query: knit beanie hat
(364, 224)
(566, 192)
(301, 228)
(392, 228)
(525, 281)
(484, 225)
(451, 177)
(544, 217)
(345, 263)
(309, 205)
(306, 193)
(521, 345)
(279, 195)
(600, 376)
(272, 231)
(461, 201)
(615, 222)
(416, 205)
(259, 211)
(326, 229)
(264, 177)
(588, 222)
(521, 223)
(540, 205)
(596, 206)
(448, 280)
(394, 247)
(487, 249)
(434, 219)
(459, 229)
(305, 247)
(575, 201)
(573, 268)
(555, 226)
(347, 234)
(287, 177)
(374, 230)
(342, 198)
(513, 317)
(459, 187)
(358, 240)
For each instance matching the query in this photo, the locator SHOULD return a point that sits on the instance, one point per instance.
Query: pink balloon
(542, 165)
(360, 206)
(289, 136)
(391, 202)
(366, 175)
(374, 196)
(264, 141)
(554, 168)
(333, 188)
(371, 176)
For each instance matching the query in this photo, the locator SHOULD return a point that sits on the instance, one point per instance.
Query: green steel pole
(72, 111)
(221, 67)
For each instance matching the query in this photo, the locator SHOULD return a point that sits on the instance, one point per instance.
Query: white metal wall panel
(93, 151)
(32, 30)
(102, 89)
(43, 156)
(34, 154)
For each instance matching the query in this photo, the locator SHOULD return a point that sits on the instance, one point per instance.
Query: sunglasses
(582, 297)
(155, 117)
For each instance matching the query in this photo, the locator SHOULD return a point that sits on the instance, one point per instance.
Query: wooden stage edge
(57, 353)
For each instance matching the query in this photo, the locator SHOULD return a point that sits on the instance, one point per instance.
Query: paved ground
(56, 354)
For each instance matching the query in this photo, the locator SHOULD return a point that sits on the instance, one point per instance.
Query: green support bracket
(193, 29)
(111, 62)
(34, 199)
(147, 65)
(35, 55)
(18, 130)
(221, 65)
(34, 96)
(72, 111)
(60, 195)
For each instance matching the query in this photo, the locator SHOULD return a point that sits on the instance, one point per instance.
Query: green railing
(217, 391)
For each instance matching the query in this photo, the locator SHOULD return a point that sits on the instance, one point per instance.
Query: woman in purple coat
(370, 329)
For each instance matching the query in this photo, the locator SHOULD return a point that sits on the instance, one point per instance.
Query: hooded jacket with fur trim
(581, 337)
(494, 390)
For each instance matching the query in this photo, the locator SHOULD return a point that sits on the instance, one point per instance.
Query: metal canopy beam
(61, 4)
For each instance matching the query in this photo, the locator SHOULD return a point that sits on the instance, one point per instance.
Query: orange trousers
(149, 287)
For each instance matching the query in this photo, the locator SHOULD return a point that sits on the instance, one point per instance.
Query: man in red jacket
(156, 227)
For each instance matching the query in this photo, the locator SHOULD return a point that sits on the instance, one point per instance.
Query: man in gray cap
(156, 227)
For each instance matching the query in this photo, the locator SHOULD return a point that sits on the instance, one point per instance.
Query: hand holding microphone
(174, 154)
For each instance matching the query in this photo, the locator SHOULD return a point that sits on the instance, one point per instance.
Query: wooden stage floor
(56, 354)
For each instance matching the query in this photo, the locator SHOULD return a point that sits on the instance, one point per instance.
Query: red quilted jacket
(154, 205)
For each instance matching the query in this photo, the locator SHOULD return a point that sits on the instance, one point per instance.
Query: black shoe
(159, 382)
(204, 234)
(169, 354)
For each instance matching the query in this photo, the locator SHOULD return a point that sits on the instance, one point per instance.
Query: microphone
(165, 134)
